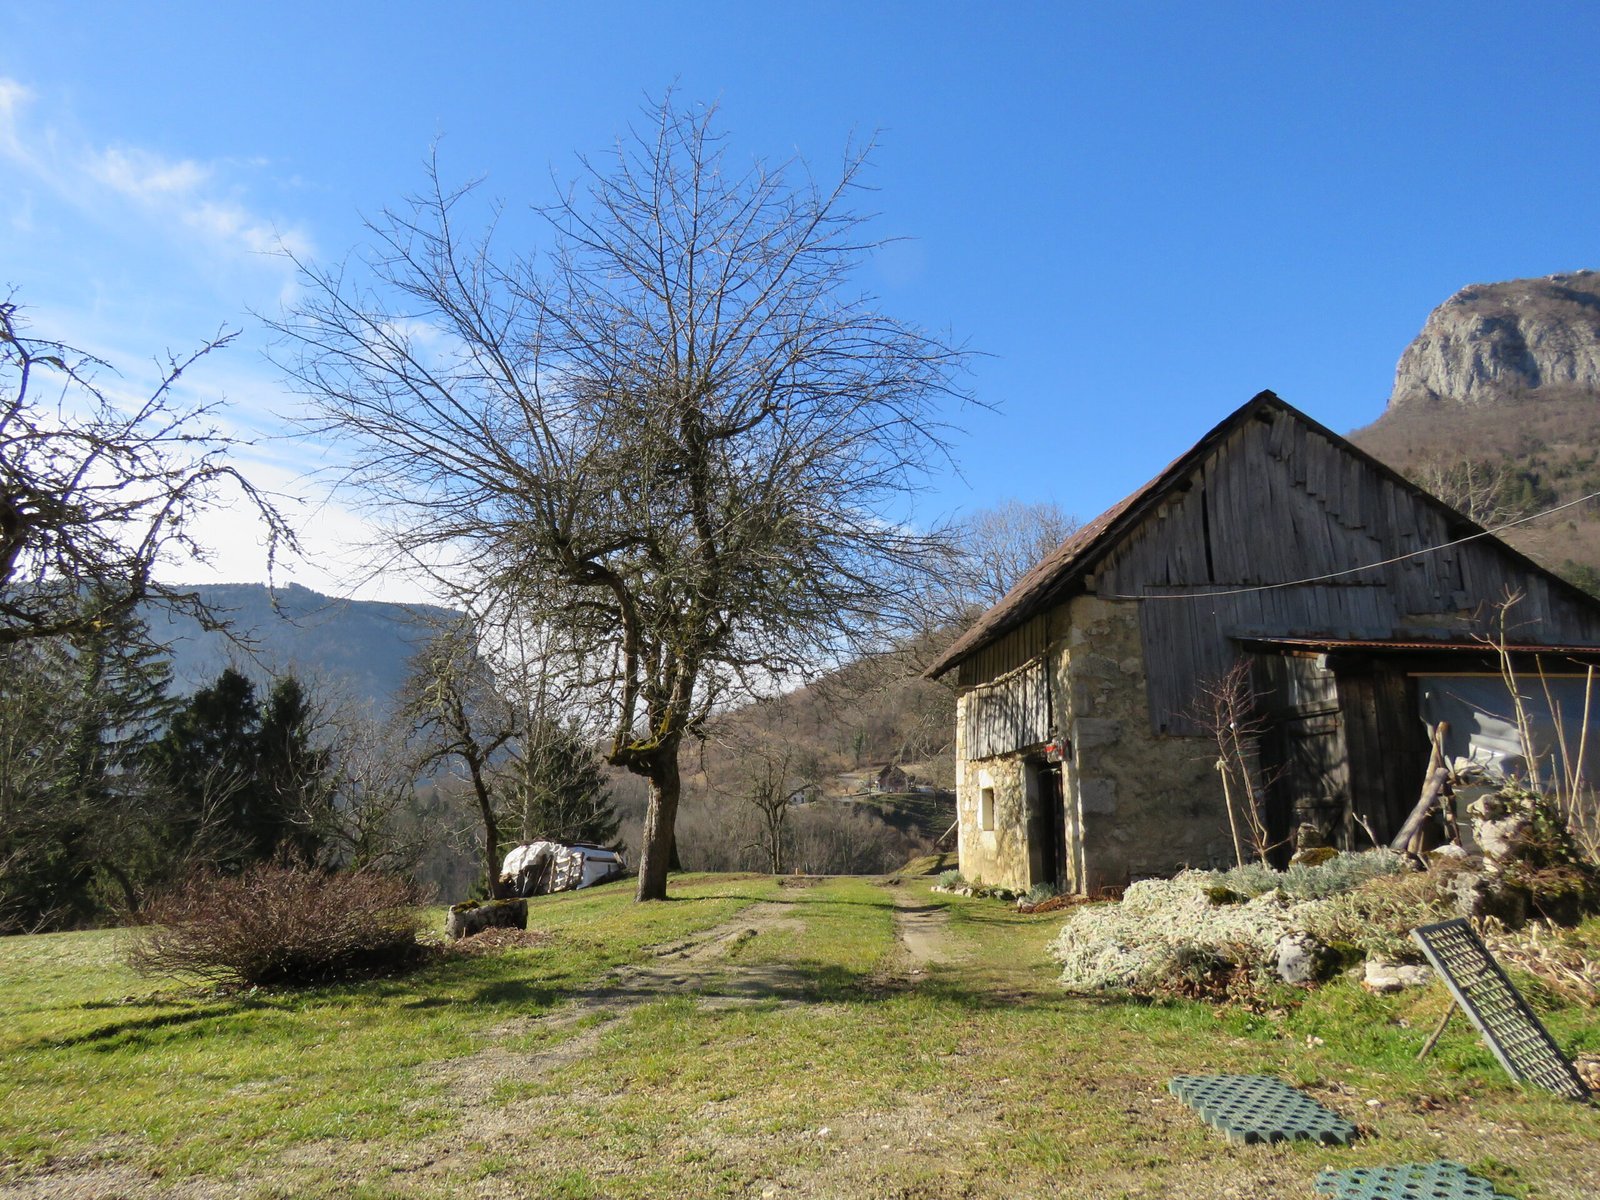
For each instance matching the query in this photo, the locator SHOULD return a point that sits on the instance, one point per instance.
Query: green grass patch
(838, 1073)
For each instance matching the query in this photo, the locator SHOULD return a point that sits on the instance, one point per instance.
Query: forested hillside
(358, 648)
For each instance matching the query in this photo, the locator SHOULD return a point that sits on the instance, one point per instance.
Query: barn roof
(1062, 572)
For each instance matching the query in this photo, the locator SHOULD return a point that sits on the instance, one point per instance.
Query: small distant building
(1359, 602)
(892, 780)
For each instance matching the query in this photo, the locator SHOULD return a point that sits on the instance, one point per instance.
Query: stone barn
(1358, 603)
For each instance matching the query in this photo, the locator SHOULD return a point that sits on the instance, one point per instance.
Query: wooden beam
(1434, 785)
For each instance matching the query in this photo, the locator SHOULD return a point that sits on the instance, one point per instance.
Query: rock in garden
(1500, 825)
(1384, 976)
(1295, 959)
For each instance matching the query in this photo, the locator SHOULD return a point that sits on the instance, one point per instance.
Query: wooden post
(1438, 1032)
(1434, 784)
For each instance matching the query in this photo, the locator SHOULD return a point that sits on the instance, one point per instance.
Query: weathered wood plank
(1009, 714)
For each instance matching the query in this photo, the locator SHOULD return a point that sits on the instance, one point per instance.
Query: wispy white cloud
(146, 177)
(184, 196)
(84, 216)
(13, 98)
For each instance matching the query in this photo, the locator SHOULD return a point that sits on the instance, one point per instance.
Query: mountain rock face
(358, 648)
(1495, 342)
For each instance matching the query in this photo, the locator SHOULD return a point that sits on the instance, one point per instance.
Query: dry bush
(1377, 917)
(284, 926)
(1567, 961)
(498, 941)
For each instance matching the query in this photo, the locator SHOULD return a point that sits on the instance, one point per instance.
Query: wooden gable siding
(1009, 714)
(1276, 503)
(1005, 654)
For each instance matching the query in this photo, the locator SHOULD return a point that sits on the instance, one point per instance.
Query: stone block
(1094, 666)
(1088, 733)
(1384, 976)
(1097, 797)
(1083, 698)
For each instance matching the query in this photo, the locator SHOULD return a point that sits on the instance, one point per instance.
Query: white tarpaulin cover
(1483, 723)
(538, 868)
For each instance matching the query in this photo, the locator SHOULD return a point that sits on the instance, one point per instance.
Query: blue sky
(1139, 214)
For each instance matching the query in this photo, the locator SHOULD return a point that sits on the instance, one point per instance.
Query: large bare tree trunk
(659, 851)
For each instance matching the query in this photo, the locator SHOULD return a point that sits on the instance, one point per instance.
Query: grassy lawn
(800, 1054)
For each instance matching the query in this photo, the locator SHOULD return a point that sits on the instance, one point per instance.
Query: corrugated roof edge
(1049, 581)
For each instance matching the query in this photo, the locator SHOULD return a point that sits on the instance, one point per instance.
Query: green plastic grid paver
(1260, 1108)
(1441, 1180)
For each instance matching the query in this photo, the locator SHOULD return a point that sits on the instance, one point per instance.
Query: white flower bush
(1163, 927)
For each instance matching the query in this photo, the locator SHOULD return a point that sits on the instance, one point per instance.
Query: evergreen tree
(206, 761)
(294, 778)
(122, 680)
(560, 792)
(75, 716)
(245, 780)
(44, 873)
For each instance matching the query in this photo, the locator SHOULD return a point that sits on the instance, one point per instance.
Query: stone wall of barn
(1140, 803)
(998, 855)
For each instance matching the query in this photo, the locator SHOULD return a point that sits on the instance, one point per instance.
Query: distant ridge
(359, 648)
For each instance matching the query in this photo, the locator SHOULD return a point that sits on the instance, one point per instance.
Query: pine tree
(75, 716)
(246, 781)
(292, 775)
(206, 761)
(122, 680)
(560, 792)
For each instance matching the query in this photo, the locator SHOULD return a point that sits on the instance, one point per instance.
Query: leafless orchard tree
(95, 493)
(459, 719)
(681, 438)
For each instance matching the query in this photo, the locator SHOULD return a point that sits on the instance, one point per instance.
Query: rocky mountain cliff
(1494, 342)
(1496, 409)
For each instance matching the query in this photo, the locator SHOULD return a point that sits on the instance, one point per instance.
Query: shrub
(1167, 930)
(1040, 892)
(952, 880)
(1376, 918)
(1170, 933)
(1548, 865)
(1314, 881)
(276, 925)
(1566, 961)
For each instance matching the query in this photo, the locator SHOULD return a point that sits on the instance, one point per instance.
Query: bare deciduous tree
(766, 770)
(95, 493)
(459, 719)
(1476, 487)
(681, 439)
(988, 552)
(997, 546)
(1225, 708)
(372, 825)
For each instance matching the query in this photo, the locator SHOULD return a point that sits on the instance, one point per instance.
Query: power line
(1387, 562)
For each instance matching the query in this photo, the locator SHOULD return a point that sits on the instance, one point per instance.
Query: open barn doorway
(1047, 823)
